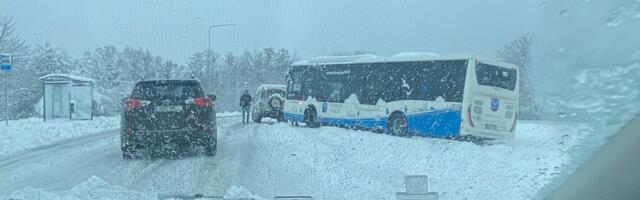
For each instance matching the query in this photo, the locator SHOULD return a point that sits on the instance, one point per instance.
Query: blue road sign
(5, 61)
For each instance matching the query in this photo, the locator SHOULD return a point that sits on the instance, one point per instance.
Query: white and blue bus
(426, 95)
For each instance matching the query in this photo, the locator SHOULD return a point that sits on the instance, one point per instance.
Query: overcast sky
(177, 29)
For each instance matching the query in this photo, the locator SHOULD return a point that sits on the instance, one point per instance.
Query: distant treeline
(116, 71)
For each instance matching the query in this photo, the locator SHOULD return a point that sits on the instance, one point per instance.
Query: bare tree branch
(7, 27)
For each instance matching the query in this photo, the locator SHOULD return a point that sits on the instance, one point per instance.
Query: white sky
(177, 29)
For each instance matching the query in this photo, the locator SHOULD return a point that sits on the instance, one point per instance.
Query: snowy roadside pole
(416, 189)
(5, 65)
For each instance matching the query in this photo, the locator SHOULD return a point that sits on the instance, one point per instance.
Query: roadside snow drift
(334, 163)
(277, 159)
(33, 132)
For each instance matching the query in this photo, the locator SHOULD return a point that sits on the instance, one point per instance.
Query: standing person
(245, 103)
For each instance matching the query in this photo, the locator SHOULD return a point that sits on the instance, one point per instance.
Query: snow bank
(416, 54)
(228, 114)
(334, 163)
(28, 133)
(98, 189)
(273, 159)
(94, 188)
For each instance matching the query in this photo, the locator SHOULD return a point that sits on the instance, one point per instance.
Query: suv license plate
(168, 108)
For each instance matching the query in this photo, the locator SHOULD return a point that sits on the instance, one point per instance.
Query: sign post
(5, 65)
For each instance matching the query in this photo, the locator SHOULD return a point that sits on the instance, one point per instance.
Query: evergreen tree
(517, 52)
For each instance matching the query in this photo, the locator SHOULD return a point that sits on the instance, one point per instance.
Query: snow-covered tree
(203, 66)
(517, 52)
(48, 59)
(24, 86)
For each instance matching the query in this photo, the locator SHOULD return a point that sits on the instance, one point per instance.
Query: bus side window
(335, 92)
(375, 85)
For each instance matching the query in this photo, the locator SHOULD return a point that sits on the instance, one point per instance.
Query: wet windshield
(380, 100)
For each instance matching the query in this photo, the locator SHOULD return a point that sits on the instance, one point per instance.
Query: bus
(425, 95)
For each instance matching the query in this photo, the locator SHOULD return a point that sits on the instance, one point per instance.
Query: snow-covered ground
(228, 114)
(33, 132)
(334, 163)
(270, 159)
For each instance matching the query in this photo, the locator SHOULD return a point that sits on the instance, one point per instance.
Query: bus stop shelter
(67, 96)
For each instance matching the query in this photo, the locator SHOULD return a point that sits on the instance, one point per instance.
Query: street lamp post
(209, 54)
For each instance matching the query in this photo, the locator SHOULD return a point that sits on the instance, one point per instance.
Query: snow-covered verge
(271, 159)
(228, 114)
(333, 163)
(94, 188)
(98, 189)
(29, 133)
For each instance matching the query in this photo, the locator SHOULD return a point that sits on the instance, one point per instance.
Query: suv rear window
(170, 89)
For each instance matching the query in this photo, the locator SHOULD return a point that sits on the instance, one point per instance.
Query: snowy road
(277, 159)
(65, 164)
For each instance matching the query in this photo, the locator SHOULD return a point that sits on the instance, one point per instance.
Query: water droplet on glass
(541, 5)
(563, 12)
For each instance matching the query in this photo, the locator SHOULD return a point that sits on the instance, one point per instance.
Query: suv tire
(257, 118)
(210, 149)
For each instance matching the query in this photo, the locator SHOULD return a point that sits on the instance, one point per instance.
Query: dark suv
(167, 113)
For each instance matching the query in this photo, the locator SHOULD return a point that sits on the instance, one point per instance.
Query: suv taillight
(202, 101)
(131, 104)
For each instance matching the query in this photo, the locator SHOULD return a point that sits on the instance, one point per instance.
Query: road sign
(5, 61)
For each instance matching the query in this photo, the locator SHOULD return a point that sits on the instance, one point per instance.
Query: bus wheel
(311, 117)
(397, 124)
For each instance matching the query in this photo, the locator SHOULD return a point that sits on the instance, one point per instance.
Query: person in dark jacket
(245, 103)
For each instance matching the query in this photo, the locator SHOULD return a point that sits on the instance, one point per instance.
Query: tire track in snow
(64, 164)
(18, 158)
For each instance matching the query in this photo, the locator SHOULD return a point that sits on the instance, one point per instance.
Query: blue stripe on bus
(293, 117)
(439, 123)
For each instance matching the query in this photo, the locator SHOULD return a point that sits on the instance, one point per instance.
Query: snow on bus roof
(69, 76)
(400, 57)
(335, 59)
(416, 54)
(170, 79)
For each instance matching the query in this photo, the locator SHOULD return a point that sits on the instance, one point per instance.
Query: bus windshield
(489, 75)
